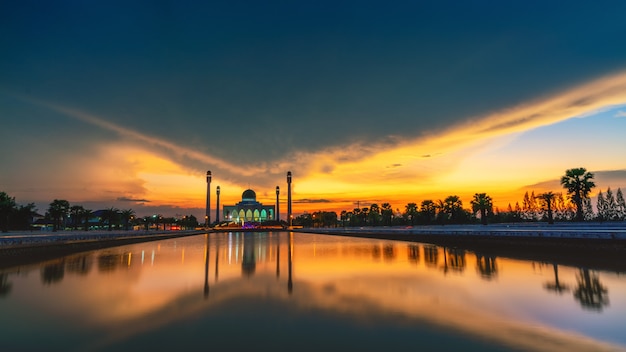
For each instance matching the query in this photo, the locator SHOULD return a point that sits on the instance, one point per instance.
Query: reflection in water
(108, 262)
(5, 285)
(53, 272)
(456, 258)
(430, 255)
(206, 268)
(590, 292)
(289, 263)
(388, 252)
(486, 266)
(278, 260)
(217, 261)
(248, 264)
(376, 252)
(556, 285)
(413, 253)
(342, 283)
(80, 264)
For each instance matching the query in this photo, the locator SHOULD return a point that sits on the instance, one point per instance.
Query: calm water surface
(285, 291)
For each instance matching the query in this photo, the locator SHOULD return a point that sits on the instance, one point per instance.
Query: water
(281, 291)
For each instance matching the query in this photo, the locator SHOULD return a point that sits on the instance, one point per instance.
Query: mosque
(248, 209)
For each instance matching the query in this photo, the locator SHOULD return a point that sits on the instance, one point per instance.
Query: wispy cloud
(620, 114)
(130, 199)
(311, 201)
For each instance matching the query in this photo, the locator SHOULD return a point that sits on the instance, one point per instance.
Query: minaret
(289, 197)
(207, 215)
(277, 216)
(217, 211)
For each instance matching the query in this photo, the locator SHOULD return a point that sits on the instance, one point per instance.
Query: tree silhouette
(127, 214)
(410, 212)
(428, 209)
(87, 214)
(451, 209)
(578, 183)
(621, 205)
(76, 212)
(58, 210)
(590, 292)
(7, 206)
(22, 217)
(547, 201)
(374, 215)
(110, 216)
(386, 213)
(482, 203)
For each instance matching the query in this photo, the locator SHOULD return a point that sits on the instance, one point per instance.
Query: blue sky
(334, 91)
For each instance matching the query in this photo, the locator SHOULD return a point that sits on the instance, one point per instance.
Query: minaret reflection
(217, 255)
(248, 264)
(289, 261)
(206, 268)
(278, 258)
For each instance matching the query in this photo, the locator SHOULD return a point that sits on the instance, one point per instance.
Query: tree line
(61, 215)
(575, 205)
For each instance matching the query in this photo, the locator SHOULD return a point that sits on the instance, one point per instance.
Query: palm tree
(126, 216)
(87, 214)
(547, 199)
(387, 213)
(411, 212)
(578, 184)
(428, 208)
(110, 214)
(58, 210)
(374, 214)
(453, 207)
(76, 212)
(482, 203)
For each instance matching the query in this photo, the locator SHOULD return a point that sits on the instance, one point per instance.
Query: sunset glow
(361, 111)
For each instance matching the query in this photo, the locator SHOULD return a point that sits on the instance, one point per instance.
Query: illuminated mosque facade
(248, 209)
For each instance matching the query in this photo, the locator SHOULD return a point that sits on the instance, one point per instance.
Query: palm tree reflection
(556, 285)
(53, 273)
(457, 259)
(5, 285)
(486, 266)
(414, 253)
(388, 252)
(431, 254)
(590, 292)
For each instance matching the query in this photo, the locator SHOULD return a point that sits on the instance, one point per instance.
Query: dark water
(303, 292)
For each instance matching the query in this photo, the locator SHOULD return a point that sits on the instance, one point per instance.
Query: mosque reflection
(255, 254)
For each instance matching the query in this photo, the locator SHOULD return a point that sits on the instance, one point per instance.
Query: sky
(129, 103)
